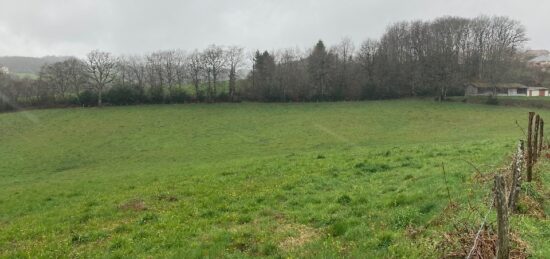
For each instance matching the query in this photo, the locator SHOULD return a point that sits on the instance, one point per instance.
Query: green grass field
(360, 179)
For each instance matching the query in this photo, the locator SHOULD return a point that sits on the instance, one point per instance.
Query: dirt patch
(286, 234)
(303, 235)
(133, 205)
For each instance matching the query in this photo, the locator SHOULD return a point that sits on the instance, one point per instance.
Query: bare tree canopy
(101, 69)
(416, 58)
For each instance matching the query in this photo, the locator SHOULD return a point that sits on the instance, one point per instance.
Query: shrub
(123, 95)
(156, 95)
(223, 97)
(179, 96)
(86, 98)
(492, 100)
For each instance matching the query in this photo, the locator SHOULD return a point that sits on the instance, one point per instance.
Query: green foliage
(123, 95)
(491, 100)
(179, 96)
(86, 98)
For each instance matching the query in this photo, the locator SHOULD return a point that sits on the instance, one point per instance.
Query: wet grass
(245, 180)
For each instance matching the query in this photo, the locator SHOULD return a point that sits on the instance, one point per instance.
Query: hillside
(316, 180)
(28, 65)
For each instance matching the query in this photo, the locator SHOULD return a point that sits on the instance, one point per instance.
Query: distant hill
(28, 65)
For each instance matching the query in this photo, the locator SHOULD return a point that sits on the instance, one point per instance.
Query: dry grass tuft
(133, 205)
(304, 235)
(486, 245)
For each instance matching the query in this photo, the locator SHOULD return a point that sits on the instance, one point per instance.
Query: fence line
(505, 197)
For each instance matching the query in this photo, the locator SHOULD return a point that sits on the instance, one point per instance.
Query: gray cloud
(56, 27)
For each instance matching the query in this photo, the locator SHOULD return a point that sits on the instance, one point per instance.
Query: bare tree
(196, 70)
(56, 75)
(168, 61)
(102, 71)
(215, 62)
(76, 71)
(234, 56)
(344, 57)
(138, 71)
(180, 67)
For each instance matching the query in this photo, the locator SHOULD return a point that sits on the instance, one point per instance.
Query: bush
(123, 95)
(179, 96)
(86, 98)
(492, 100)
(223, 97)
(156, 95)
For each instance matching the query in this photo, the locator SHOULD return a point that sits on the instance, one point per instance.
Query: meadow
(357, 179)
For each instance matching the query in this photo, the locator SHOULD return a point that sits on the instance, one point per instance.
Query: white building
(504, 89)
(4, 70)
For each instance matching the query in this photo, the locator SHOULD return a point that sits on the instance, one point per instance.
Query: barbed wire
(478, 234)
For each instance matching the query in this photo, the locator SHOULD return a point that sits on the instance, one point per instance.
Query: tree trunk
(99, 94)
(232, 84)
(214, 90)
(197, 90)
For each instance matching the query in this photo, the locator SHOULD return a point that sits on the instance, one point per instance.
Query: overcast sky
(73, 27)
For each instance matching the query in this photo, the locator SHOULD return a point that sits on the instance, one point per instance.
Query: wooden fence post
(536, 139)
(517, 166)
(541, 137)
(503, 249)
(529, 158)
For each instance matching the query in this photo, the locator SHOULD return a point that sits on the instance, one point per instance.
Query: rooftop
(498, 85)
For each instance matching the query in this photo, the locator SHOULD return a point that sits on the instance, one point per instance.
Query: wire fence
(507, 187)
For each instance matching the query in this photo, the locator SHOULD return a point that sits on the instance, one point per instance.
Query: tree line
(416, 58)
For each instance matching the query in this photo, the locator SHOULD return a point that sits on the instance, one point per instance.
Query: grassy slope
(331, 179)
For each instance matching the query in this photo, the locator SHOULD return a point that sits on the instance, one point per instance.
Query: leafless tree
(76, 71)
(101, 68)
(215, 61)
(196, 70)
(138, 71)
(234, 57)
(57, 77)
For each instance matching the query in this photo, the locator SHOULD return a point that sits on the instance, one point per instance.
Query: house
(504, 89)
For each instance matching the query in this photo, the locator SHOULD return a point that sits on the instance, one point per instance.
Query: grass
(244, 180)
(536, 102)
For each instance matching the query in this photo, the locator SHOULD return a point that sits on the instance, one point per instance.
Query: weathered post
(517, 166)
(529, 158)
(503, 249)
(541, 137)
(535, 144)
